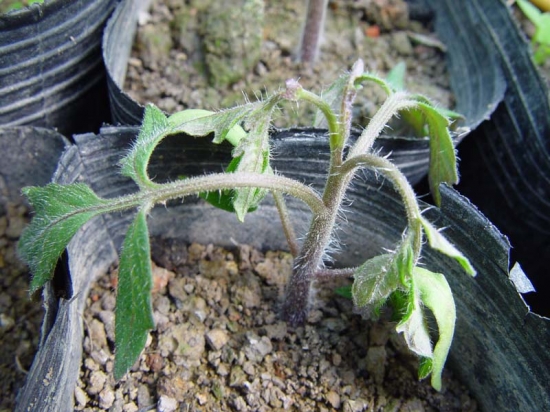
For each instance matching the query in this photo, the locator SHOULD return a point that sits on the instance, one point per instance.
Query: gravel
(222, 347)
(169, 68)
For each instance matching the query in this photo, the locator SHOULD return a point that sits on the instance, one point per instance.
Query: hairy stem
(325, 273)
(310, 260)
(287, 224)
(394, 103)
(401, 184)
(313, 29)
(350, 92)
(214, 182)
(296, 304)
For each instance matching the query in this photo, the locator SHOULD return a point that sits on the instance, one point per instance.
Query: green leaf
(344, 291)
(413, 325)
(153, 129)
(443, 168)
(436, 294)
(383, 275)
(530, 10)
(425, 367)
(253, 152)
(399, 301)
(224, 124)
(542, 34)
(415, 120)
(133, 312)
(59, 212)
(438, 242)
(224, 199)
(333, 97)
(405, 259)
(375, 280)
(396, 76)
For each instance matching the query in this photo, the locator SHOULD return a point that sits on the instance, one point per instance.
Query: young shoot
(392, 277)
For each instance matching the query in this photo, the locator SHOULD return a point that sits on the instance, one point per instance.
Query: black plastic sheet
(497, 345)
(51, 68)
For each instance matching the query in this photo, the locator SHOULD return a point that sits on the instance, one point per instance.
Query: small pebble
(217, 338)
(333, 399)
(167, 404)
(106, 398)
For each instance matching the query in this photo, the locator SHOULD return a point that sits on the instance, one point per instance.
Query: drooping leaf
(414, 327)
(375, 280)
(438, 242)
(436, 294)
(253, 152)
(443, 168)
(153, 129)
(59, 212)
(399, 302)
(381, 276)
(223, 199)
(224, 124)
(405, 259)
(133, 311)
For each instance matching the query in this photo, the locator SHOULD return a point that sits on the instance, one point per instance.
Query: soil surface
(172, 65)
(219, 345)
(20, 316)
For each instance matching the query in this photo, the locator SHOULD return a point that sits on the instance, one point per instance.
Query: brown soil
(166, 69)
(20, 317)
(219, 345)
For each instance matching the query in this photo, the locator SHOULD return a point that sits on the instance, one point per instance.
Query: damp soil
(171, 64)
(219, 345)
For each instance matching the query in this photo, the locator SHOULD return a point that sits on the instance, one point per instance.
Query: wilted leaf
(436, 294)
(413, 325)
(223, 199)
(253, 154)
(133, 312)
(438, 242)
(375, 280)
(153, 129)
(59, 212)
(443, 167)
(224, 124)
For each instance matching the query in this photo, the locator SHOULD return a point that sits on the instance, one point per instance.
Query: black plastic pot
(499, 350)
(52, 73)
(30, 156)
(505, 165)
